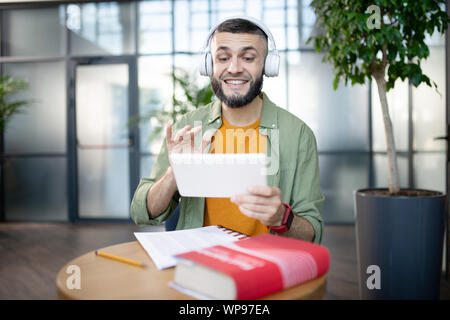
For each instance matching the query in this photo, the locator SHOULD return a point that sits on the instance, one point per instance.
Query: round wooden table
(103, 278)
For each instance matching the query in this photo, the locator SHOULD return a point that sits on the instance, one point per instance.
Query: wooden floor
(31, 254)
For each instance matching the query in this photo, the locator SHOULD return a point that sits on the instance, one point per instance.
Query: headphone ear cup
(205, 64)
(209, 65)
(272, 65)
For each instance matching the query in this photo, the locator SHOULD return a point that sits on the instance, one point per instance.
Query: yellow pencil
(110, 256)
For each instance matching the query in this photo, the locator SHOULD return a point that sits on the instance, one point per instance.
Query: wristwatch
(287, 220)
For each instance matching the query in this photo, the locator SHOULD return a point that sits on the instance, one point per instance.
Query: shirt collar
(216, 111)
(269, 115)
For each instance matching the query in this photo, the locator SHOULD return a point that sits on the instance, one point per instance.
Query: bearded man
(290, 204)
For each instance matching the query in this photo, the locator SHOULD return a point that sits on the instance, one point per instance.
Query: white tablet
(218, 175)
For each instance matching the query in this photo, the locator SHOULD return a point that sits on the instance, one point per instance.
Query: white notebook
(218, 175)
(163, 246)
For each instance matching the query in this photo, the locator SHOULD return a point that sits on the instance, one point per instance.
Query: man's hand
(160, 194)
(262, 203)
(183, 142)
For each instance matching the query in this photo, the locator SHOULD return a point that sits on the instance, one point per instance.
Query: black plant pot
(401, 239)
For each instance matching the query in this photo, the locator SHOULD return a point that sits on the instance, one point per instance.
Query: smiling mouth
(235, 83)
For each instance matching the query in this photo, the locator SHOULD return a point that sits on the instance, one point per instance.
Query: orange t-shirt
(221, 211)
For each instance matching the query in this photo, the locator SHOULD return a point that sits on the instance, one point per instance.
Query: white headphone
(272, 62)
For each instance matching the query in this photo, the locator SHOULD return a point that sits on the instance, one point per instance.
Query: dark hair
(240, 26)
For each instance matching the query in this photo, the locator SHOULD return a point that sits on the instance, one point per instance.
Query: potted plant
(399, 232)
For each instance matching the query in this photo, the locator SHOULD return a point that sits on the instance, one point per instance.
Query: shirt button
(273, 125)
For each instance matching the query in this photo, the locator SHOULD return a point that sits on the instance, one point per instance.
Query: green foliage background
(10, 86)
(188, 97)
(356, 51)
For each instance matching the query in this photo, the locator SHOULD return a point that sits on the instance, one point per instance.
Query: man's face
(238, 63)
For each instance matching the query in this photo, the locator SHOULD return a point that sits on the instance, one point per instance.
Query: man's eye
(249, 58)
(223, 59)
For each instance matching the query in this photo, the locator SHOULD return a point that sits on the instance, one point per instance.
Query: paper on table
(163, 246)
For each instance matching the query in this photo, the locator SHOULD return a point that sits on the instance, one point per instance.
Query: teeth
(235, 81)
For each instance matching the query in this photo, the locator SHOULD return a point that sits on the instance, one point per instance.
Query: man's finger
(252, 199)
(259, 209)
(207, 136)
(264, 218)
(255, 215)
(181, 133)
(194, 131)
(265, 191)
(169, 134)
(249, 213)
(190, 137)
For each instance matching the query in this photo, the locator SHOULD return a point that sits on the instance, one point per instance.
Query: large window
(33, 32)
(38, 44)
(101, 28)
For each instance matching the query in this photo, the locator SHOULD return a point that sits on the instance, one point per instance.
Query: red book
(251, 268)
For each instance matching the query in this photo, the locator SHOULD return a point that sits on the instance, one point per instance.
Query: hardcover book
(251, 268)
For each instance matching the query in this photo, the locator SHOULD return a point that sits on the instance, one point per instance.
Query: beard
(237, 101)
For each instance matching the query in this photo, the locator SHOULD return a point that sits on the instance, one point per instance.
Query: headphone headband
(261, 25)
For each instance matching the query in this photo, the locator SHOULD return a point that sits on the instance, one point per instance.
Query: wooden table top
(103, 278)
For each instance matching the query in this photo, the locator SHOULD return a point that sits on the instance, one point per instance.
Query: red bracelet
(287, 220)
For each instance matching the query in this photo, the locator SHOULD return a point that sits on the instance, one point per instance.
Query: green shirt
(294, 168)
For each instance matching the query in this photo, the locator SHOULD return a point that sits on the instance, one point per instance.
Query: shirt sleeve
(307, 197)
(139, 212)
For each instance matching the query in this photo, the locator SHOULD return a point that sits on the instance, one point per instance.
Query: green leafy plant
(10, 86)
(379, 39)
(187, 96)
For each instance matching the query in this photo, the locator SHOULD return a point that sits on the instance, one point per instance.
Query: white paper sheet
(218, 175)
(163, 246)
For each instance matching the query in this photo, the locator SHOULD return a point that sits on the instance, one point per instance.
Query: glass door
(103, 141)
